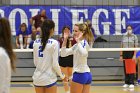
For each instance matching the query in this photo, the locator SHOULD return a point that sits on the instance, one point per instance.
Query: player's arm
(56, 66)
(121, 53)
(135, 46)
(35, 49)
(82, 48)
(32, 20)
(17, 40)
(3, 72)
(66, 51)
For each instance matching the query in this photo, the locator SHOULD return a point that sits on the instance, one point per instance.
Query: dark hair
(64, 29)
(46, 30)
(23, 24)
(5, 40)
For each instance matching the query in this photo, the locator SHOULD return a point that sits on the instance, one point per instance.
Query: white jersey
(80, 52)
(46, 62)
(5, 71)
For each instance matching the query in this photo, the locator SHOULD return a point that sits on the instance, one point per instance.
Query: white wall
(19, 2)
(70, 2)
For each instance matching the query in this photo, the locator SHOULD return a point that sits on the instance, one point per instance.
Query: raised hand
(121, 59)
(66, 35)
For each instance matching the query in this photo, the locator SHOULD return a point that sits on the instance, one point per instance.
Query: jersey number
(40, 52)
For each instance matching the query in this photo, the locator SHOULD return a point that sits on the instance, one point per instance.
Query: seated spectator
(22, 37)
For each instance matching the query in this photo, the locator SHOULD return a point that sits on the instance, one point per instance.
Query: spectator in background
(7, 56)
(31, 39)
(66, 63)
(129, 41)
(23, 37)
(36, 22)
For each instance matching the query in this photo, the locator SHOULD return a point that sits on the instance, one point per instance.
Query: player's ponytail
(46, 29)
(87, 34)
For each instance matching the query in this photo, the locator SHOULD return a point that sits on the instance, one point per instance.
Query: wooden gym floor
(97, 87)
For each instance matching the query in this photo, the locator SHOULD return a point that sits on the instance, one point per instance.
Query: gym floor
(97, 87)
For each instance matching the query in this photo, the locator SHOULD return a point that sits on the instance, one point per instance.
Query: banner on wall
(106, 20)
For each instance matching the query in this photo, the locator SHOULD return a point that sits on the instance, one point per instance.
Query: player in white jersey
(81, 73)
(46, 52)
(7, 57)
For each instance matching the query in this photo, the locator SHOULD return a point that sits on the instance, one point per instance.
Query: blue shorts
(82, 78)
(138, 54)
(47, 86)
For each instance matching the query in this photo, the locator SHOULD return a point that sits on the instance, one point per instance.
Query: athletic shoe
(131, 86)
(125, 85)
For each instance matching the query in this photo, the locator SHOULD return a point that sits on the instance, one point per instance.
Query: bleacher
(103, 65)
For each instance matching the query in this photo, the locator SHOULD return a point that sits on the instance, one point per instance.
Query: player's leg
(66, 84)
(76, 87)
(21, 41)
(28, 41)
(39, 89)
(51, 89)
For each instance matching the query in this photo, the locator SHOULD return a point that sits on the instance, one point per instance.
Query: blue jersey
(19, 32)
(29, 29)
(138, 54)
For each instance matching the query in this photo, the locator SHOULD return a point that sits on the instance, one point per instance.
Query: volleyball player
(82, 77)
(66, 63)
(7, 57)
(46, 52)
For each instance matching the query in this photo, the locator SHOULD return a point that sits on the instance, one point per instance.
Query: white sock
(28, 41)
(67, 91)
(27, 47)
(21, 41)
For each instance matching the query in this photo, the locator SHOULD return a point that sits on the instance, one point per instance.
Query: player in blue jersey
(46, 52)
